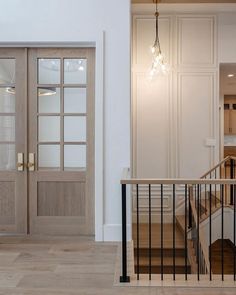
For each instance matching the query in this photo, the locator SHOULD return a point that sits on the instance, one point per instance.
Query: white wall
(84, 21)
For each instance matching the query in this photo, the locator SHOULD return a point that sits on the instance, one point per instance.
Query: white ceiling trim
(184, 8)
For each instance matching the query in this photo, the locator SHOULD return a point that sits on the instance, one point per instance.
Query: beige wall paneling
(151, 118)
(196, 95)
(175, 118)
(54, 192)
(197, 41)
(13, 189)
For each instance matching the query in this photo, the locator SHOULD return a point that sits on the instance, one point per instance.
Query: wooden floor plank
(69, 266)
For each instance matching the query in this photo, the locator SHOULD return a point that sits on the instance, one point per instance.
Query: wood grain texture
(54, 211)
(61, 199)
(17, 221)
(7, 199)
(40, 265)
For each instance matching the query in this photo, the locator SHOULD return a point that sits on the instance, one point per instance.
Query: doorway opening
(228, 109)
(47, 140)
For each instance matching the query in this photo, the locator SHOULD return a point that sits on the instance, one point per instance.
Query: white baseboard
(113, 233)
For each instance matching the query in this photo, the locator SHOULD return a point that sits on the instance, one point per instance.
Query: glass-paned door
(61, 141)
(47, 141)
(13, 138)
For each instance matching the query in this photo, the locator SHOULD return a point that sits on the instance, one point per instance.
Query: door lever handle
(20, 162)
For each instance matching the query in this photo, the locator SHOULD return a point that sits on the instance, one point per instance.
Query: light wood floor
(66, 266)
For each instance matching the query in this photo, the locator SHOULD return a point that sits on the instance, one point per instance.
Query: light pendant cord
(158, 62)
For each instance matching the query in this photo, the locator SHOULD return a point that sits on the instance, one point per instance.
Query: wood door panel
(13, 183)
(61, 192)
(7, 201)
(61, 199)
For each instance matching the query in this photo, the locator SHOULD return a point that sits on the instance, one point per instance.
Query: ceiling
(184, 1)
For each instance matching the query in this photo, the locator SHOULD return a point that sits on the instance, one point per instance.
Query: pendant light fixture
(159, 66)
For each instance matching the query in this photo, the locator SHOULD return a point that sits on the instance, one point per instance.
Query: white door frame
(99, 113)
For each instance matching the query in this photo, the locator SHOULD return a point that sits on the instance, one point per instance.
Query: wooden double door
(47, 141)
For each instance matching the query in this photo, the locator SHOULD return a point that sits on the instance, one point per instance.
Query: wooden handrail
(177, 181)
(218, 165)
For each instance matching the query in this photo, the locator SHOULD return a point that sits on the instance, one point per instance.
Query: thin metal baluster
(137, 186)
(186, 237)
(198, 223)
(215, 190)
(190, 224)
(210, 229)
(174, 232)
(231, 177)
(150, 235)
(225, 165)
(162, 232)
(205, 210)
(234, 170)
(222, 230)
(195, 189)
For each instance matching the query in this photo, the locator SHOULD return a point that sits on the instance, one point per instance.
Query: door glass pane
(49, 71)
(75, 71)
(7, 100)
(49, 128)
(49, 156)
(75, 100)
(7, 128)
(49, 100)
(74, 156)
(7, 70)
(74, 128)
(7, 157)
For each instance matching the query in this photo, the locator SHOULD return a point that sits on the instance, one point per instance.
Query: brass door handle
(31, 163)
(20, 162)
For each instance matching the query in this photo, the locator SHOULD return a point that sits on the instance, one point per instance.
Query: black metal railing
(198, 205)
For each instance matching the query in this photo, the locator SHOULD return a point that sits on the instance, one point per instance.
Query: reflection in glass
(75, 100)
(75, 71)
(74, 128)
(7, 157)
(7, 128)
(49, 71)
(74, 156)
(7, 70)
(49, 156)
(49, 100)
(49, 128)
(7, 100)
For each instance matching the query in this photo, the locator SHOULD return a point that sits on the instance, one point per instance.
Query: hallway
(66, 266)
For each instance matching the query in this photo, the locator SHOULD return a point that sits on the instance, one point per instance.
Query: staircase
(155, 251)
(156, 263)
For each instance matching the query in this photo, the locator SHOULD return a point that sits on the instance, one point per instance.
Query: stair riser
(157, 252)
(166, 269)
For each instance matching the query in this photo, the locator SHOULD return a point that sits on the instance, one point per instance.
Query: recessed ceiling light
(231, 75)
